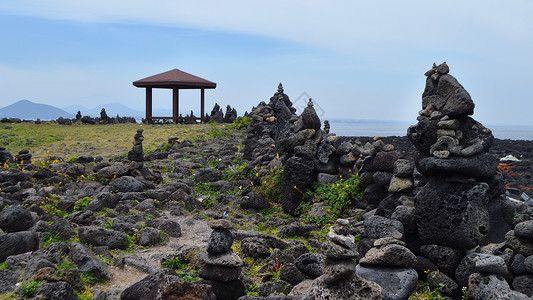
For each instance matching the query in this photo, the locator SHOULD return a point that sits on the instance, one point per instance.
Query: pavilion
(175, 80)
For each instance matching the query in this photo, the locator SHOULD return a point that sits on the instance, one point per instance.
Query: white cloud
(340, 25)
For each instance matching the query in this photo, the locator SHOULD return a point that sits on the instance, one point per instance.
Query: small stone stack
(375, 166)
(136, 154)
(452, 208)
(220, 264)
(388, 263)
(340, 252)
(24, 157)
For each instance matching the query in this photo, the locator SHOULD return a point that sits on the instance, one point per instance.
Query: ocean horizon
(347, 127)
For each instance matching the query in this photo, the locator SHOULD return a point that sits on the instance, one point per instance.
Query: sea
(348, 127)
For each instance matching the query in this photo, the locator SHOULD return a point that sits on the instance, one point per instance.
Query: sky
(355, 59)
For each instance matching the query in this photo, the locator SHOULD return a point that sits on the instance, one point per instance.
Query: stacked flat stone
(136, 154)
(340, 252)
(23, 157)
(452, 208)
(388, 263)
(219, 261)
(376, 167)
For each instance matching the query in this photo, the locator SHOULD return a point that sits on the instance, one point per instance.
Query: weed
(189, 276)
(88, 278)
(175, 263)
(3, 266)
(240, 123)
(50, 206)
(72, 158)
(214, 132)
(82, 203)
(207, 194)
(271, 184)
(65, 264)
(29, 287)
(106, 260)
(339, 195)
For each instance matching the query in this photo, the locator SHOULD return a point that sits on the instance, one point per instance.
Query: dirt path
(195, 232)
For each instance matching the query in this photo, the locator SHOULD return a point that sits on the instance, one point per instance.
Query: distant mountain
(27, 110)
(111, 109)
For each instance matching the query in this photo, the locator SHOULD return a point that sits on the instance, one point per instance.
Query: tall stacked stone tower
(452, 208)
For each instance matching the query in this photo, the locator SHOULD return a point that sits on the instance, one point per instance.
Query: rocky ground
(281, 210)
(518, 174)
(134, 225)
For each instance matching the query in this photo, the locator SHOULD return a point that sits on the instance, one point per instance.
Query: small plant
(206, 194)
(271, 184)
(3, 266)
(189, 276)
(240, 123)
(88, 278)
(106, 260)
(65, 264)
(72, 158)
(82, 203)
(214, 132)
(338, 195)
(175, 263)
(29, 288)
(464, 293)
(50, 206)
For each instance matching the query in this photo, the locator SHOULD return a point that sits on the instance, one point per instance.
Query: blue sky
(356, 59)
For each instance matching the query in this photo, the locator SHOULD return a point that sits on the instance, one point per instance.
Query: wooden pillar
(202, 105)
(175, 105)
(148, 104)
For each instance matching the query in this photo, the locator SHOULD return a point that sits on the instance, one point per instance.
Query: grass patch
(46, 139)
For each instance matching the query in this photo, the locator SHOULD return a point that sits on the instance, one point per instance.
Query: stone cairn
(340, 252)
(220, 263)
(23, 157)
(218, 115)
(136, 154)
(452, 208)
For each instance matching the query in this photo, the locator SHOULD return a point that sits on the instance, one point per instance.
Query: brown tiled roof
(175, 79)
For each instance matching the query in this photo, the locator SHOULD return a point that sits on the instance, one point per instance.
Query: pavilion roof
(175, 79)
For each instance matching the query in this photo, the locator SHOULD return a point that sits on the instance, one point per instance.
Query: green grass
(47, 139)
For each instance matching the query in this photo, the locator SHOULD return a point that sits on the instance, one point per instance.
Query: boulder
(220, 241)
(127, 184)
(87, 261)
(290, 273)
(152, 286)
(17, 243)
(396, 283)
(481, 165)
(452, 213)
(296, 180)
(254, 201)
(446, 258)
(310, 264)
(98, 236)
(8, 280)
(357, 288)
(15, 218)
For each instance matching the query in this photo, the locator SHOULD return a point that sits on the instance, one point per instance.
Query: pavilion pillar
(202, 96)
(175, 105)
(148, 104)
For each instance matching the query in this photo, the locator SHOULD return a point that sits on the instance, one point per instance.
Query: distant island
(27, 110)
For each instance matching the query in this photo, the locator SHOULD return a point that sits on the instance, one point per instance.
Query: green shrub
(271, 184)
(338, 195)
(176, 263)
(240, 123)
(82, 203)
(29, 287)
